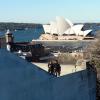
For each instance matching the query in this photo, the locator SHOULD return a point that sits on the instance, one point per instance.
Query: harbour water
(25, 35)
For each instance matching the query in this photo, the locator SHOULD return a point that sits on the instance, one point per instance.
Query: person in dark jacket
(51, 67)
(57, 68)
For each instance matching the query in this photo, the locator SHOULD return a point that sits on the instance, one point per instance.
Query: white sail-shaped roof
(62, 25)
(81, 33)
(77, 28)
(69, 22)
(87, 32)
(69, 31)
(46, 28)
(53, 27)
(84, 33)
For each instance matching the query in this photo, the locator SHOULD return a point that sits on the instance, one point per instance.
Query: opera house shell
(64, 29)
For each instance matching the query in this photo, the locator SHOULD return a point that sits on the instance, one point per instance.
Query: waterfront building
(28, 50)
(64, 29)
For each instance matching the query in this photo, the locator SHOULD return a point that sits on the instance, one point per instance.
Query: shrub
(66, 58)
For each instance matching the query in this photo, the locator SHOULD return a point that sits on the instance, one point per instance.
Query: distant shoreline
(13, 26)
(19, 26)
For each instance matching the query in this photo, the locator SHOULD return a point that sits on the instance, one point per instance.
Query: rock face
(20, 80)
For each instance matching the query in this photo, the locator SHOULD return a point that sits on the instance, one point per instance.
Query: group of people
(54, 67)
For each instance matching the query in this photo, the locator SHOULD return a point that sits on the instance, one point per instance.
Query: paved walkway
(65, 69)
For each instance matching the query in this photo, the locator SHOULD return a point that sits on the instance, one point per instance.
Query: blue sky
(43, 11)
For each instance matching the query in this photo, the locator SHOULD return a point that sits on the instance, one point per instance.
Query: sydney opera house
(64, 29)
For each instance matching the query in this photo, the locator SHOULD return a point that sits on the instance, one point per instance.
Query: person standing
(57, 68)
(49, 66)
